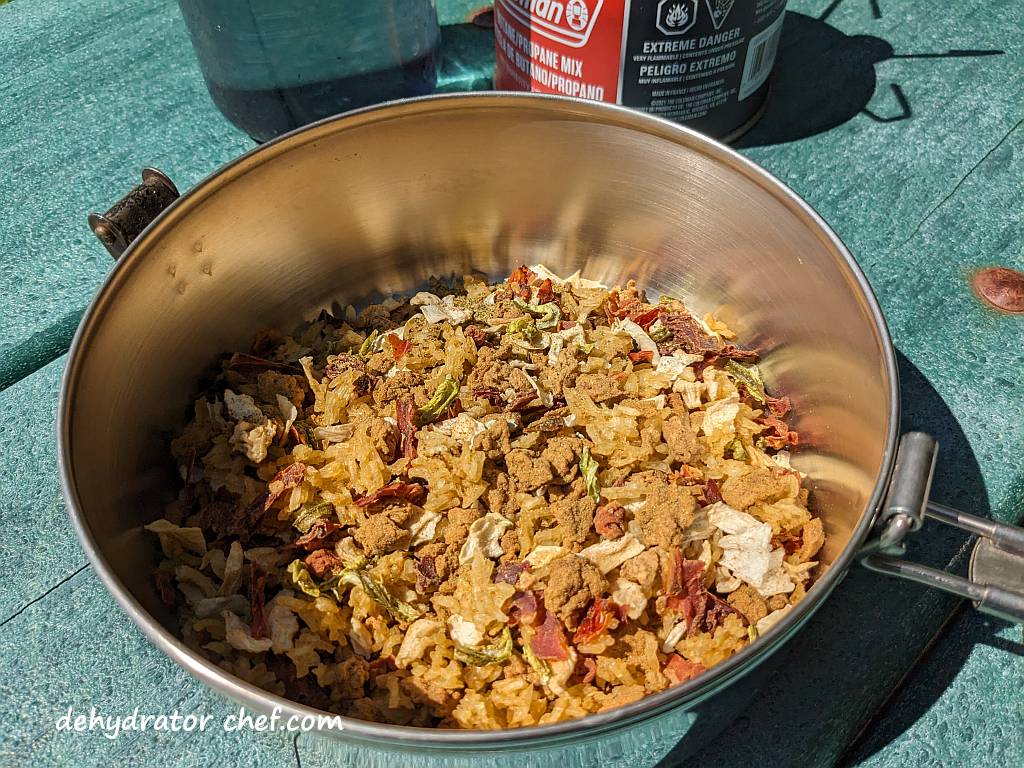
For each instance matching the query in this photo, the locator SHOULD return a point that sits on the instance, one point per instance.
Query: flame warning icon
(676, 17)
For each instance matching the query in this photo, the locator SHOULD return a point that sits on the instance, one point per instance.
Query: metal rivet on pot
(103, 233)
(1001, 288)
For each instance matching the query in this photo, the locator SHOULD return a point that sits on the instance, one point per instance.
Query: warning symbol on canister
(676, 17)
(719, 10)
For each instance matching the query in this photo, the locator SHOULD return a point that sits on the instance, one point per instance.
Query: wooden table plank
(40, 550)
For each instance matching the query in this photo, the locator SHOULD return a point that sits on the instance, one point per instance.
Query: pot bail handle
(132, 213)
(996, 575)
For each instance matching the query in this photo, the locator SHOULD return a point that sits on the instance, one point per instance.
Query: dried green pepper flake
(542, 668)
(588, 469)
(528, 329)
(586, 349)
(738, 451)
(750, 378)
(399, 609)
(549, 315)
(658, 332)
(446, 392)
(524, 326)
(367, 346)
(486, 654)
(300, 577)
(309, 513)
(354, 574)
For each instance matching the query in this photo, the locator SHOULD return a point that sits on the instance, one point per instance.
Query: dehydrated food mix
(487, 506)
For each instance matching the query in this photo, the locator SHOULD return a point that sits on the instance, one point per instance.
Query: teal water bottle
(274, 65)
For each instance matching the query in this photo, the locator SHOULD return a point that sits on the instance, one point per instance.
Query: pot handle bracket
(996, 575)
(133, 213)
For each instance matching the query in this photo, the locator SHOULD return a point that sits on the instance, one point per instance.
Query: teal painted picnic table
(902, 123)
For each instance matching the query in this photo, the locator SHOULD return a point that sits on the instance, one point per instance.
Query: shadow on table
(824, 78)
(929, 680)
(957, 483)
(839, 668)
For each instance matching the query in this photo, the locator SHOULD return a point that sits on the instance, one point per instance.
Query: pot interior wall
(383, 200)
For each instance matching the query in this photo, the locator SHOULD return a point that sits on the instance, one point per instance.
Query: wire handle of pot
(996, 575)
(130, 215)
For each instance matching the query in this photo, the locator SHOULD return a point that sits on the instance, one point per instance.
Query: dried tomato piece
(398, 346)
(673, 580)
(549, 641)
(679, 670)
(519, 281)
(618, 306)
(597, 620)
(686, 594)
(405, 415)
(525, 609)
(716, 613)
(476, 334)
(687, 474)
(712, 491)
(521, 275)
(414, 493)
(609, 311)
(682, 605)
(288, 478)
(318, 534)
(642, 356)
(782, 436)
(545, 292)
(779, 406)
(646, 319)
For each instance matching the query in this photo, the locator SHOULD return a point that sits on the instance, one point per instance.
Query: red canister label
(703, 62)
(565, 47)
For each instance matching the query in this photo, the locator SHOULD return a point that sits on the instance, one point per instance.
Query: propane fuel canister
(705, 63)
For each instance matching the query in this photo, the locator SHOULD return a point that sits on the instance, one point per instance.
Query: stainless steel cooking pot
(378, 201)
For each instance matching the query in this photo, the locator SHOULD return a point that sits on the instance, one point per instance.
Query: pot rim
(381, 734)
